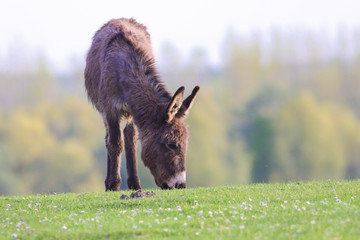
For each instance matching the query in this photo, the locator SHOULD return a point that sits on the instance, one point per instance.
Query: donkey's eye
(172, 146)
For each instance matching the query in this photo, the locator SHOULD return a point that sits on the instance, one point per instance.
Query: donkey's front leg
(114, 146)
(130, 136)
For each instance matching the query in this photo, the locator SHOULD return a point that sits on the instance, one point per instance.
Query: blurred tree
(69, 167)
(42, 83)
(327, 81)
(254, 125)
(262, 147)
(349, 131)
(26, 137)
(307, 142)
(27, 140)
(71, 118)
(351, 84)
(8, 183)
(205, 159)
(243, 67)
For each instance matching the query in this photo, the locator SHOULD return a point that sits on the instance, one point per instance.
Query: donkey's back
(113, 49)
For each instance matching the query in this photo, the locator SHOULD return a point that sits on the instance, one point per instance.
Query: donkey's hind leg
(114, 146)
(130, 136)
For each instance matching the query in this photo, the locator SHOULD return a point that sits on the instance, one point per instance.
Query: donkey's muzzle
(177, 185)
(178, 181)
(165, 186)
(180, 185)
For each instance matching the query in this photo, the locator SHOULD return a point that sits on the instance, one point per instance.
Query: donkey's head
(164, 148)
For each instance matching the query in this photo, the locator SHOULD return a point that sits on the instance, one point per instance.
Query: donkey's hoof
(112, 185)
(134, 184)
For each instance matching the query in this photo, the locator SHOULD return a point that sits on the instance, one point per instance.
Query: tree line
(279, 107)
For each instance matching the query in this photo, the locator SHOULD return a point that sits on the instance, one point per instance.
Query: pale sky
(62, 29)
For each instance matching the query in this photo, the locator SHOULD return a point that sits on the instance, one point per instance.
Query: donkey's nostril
(180, 185)
(165, 186)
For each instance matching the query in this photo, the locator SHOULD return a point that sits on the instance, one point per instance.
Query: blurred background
(279, 98)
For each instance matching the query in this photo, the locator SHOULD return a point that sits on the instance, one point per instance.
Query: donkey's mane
(149, 68)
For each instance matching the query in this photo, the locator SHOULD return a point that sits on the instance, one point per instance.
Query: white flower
(14, 235)
(263, 204)
(184, 225)
(200, 212)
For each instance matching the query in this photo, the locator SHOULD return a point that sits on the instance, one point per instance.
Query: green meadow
(296, 210)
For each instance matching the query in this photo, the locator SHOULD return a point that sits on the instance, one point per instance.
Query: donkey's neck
(148, 101)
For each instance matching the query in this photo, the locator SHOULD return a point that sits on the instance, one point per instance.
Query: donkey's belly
(124, 112)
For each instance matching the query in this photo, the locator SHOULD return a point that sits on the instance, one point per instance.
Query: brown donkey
(122, 83)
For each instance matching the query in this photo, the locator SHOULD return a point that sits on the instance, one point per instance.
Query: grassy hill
(302, 210)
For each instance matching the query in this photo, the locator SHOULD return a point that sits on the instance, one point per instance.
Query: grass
(304, 210)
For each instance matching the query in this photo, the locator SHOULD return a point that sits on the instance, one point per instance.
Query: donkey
(122, 83)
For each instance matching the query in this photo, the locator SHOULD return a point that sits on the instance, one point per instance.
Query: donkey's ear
(186, 105)
(174, 105)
